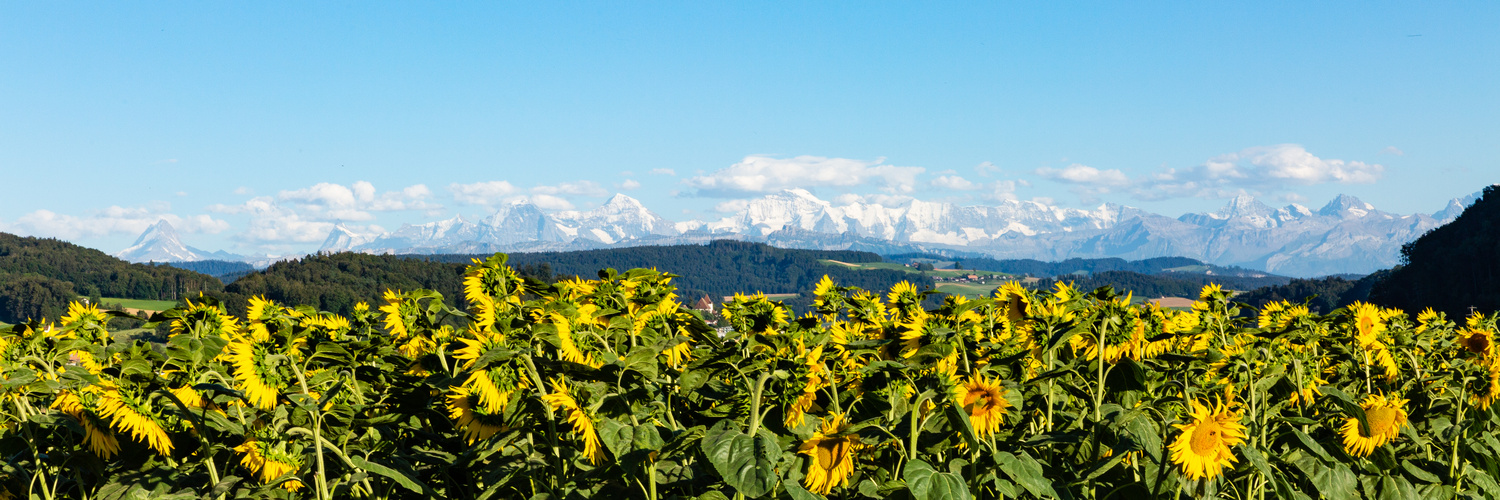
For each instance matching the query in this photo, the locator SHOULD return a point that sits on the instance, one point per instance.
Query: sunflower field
(611, 388)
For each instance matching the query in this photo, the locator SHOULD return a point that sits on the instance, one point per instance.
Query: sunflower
(1385, 418)
(832, 455)
(986, 403)
(1202, 449)
(1368, 323)
(1427, 319)
(400, 311)
(100, 438)
(261, 309)
(567, 348)
(562, 399)
(1014, 298)
(1210, 290)
(254, 380)
(1486, 396)
(202, 320)
(129, 416)
(816, 379)
(270, 462)
(491, 278)
(471, 415)
(1476, 340)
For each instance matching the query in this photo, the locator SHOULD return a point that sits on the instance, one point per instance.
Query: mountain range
(1344, 236)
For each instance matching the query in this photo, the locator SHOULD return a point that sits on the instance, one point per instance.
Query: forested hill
(336, 282)
(722, 267)
(1451, 268)
(1322, 295)
(39, 276)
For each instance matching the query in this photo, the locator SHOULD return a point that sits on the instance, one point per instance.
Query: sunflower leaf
(926, 483)
(400, 478)
(797, 492)
(746, 463)
(959, 419)
(1026, 472)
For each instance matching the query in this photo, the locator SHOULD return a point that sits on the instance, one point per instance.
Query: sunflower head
(985, 401)
(1203, 448)
(1477, 341)
(831, 455)
(1385, 417)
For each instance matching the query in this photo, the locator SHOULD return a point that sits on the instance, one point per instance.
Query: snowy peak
(342, 239)
(159, 243)
(1457, 206)
(1346, 206)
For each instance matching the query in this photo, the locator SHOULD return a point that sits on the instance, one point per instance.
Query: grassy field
(149, 305)
(939, 273)
(970, 290)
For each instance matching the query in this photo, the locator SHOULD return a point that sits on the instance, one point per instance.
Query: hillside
(39, 276)
(1322, 295)
(335, 282)
(722, 267)
(1451, 268)
(225, 271)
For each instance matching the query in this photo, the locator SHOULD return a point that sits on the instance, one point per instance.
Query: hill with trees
(722, 267)
(225, 271)
(39, 276)
(1451, 268)
(335, 282)
(1322, 295)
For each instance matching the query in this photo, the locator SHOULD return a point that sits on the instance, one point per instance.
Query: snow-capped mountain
(159, 243)
(1346, 235)
(522, 225)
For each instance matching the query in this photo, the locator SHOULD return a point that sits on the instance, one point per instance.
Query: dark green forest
(38, 276)
(1322, 295)
(1451, 268)
(225, 271)
(336, 282)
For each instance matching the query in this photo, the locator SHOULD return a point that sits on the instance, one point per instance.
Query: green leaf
(745, 463)
(1257, 460)
(642, 359)
(797, 492)
(402, 479)
(927, 483)
(1418, 473)
(1336, 482)
(1027, 472)
(1313, 446)
(959, 419)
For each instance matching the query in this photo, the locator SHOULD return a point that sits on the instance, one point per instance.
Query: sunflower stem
(541, 390)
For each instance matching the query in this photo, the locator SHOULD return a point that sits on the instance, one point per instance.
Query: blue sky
(255, 126)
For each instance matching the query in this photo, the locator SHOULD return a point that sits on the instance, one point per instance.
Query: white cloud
(663, 171)
(764, 174)
(630, 184)
(1002, 190)
(580, 188)
(328, 201)
(272, 222)
(243, 190)
(954, 182)
(1262, 169)
(1085, 175)
(731, 206)
(114, 220)
(481, 193)
(986, 168)
(549, 202)
(1393, 150)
